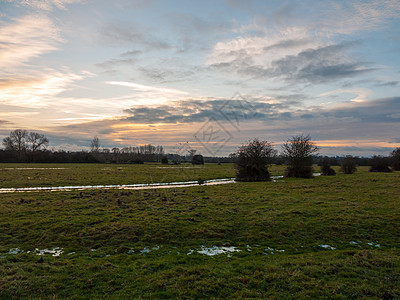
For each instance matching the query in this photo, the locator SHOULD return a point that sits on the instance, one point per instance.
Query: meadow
(325, 237)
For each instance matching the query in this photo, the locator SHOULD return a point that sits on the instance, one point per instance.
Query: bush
(395, 155)
(379, 164)
(198, 159)
(164, 160)
(348, 165)
(298, 152)
(326, 169)
(252, 161)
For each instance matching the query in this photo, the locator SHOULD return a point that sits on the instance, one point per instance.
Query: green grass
(295, 215)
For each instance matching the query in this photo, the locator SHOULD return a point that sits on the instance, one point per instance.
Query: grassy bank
(330, 237)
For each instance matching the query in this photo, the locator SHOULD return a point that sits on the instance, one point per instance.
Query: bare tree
(252, 161)
(17, 140)
(298, 152)
(191, 153)
(348, 165)
(25, 144)
(95, 145)
(37, 141)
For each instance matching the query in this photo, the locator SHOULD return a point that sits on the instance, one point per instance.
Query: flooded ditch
(139, 186)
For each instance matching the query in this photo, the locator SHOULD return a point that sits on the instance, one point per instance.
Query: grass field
(326, 237)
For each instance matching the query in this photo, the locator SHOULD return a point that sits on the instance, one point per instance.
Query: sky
(208, 75)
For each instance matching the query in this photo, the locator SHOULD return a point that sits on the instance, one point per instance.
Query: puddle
(139, 186)
(373, 245)
(328, 247)
(54, 252)
(15, 251)
(215, 250)
(177, 167)
(270, 250)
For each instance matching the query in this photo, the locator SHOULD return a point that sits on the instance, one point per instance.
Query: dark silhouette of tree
(198, 159)
(37, 141)
(95, 145)
(23, 144)
(191, 153)
(16, 141)
(298, 152)
(164, 160)
(326, 169)
(395, 156)
(380, 164)
(348, 165)
(252, 161)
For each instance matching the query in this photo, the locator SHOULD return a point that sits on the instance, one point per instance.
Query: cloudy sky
(209, 74)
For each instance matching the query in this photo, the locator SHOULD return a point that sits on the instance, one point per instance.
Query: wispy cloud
(351, 16)
(126, 58)
(37, 89)
(126, 33)
(46, 5)
(25, 38)
(146, 94)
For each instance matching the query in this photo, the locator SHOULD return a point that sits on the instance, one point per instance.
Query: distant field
(326, 237)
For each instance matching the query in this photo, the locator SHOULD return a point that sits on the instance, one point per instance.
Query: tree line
(28, 146)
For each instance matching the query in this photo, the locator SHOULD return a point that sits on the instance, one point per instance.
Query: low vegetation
(380, 164)
(326, 169)
(253, 159)
(299, 151)
(348, 165)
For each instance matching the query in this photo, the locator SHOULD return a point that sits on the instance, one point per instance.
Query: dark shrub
(298, 152)
(348, 165)
(252, 161)
(197, 159)
(326, 169)
(395, 155)
(380, 164)
(164, 160)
